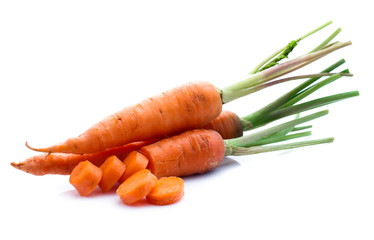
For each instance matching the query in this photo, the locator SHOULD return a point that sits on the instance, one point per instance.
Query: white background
(65, 65)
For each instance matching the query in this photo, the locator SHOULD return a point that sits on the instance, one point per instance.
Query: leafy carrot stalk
(187, 107)
(134, 162)
(137, 186)
(112, 168)
(199, 151)
(167, 190)
(64, 163)
(229, 125)
(85, 177)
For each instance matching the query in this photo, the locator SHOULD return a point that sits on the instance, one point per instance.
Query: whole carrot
(64, 163)
(200, 151)
(189, 106)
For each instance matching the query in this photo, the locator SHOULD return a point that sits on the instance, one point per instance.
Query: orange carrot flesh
(112, 168)
(186, 107)
(167, 190)
(85, 177)
(134, 162)
(64, 163)
(191, 152)
(137, 186)
(227, 124)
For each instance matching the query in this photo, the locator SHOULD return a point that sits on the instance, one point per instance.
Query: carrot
(191, 152)
(85, 177)
(137, 186)
(62, 163)
(190, 106)
(134, 162)
(167, 190)
(113, 169)
(201, 150)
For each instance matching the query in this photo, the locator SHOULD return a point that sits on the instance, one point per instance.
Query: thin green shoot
(281, 50)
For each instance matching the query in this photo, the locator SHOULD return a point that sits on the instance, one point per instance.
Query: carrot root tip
(36, 149)
(17, 165)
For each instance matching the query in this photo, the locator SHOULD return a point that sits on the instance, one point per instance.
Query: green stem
(254, 137)
(268, 59)
(306, 92)
(263, 112)
(230, 93)
(284, 112)
(247, 91)
(279, 139)
(327, 41)
(239, 151)
(301, 128)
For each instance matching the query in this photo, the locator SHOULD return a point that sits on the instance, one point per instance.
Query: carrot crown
(268, 72)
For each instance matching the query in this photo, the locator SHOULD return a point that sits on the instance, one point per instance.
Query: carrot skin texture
(136, 187)
(134, 162)
(186, 107)
(167, 190)
(227, 124)
(85, 177)
(113, 169)
(64, 163)
(191, 152)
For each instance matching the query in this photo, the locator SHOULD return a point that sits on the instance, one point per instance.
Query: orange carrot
(167, 190)
(134, 162)
(85, 177)
(189, 106)
(227, 124)
(191, 152)
(137, 186)
(201, 150)
(63, 163)
(113, 169)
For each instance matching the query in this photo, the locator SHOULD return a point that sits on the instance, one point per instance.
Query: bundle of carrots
(148, 146)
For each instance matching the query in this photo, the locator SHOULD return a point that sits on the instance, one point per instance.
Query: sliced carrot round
(167, 190)
(113, 169)
(85, 177)
(137, 186)
(134, 162)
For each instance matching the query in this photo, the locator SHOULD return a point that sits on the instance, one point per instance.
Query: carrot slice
(113, 169)
(167, 190)
(85, 177)
(134, 162)
(137, 186)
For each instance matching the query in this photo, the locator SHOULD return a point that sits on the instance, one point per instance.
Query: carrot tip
(18, 166)
(36, 149)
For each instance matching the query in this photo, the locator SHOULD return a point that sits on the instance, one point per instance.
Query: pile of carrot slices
(136, 182)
